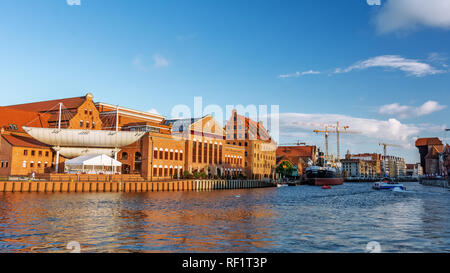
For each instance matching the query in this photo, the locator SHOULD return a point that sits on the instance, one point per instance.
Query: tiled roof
(250, 126)
(22, 141)
(43, 106)
(302, 151)
(292, 159)
(20, 118)
(428, 141)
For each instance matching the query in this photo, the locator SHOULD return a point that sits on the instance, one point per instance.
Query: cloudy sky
(379, 67)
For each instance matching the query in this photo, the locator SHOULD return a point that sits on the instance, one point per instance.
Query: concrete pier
(435, 182)
(179, 185)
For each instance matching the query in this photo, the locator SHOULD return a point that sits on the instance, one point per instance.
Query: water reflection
(287, 219)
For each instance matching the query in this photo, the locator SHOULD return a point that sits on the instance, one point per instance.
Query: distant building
(414, 170)
(358, 168)
(297, 156)
(372, 159)
(447, 160)
(395, 166)
(430, 150)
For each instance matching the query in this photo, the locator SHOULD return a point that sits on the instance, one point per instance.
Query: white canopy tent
(93, 164)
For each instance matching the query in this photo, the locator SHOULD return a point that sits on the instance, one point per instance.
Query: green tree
(285, 169)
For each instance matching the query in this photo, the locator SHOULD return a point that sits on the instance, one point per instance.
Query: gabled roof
(428, 141)
(295, 160)
(22, 141)
(51, 105)
(21, 118)
(181, 123)
(299, 151)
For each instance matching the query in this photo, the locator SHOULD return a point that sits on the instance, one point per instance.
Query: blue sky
(381, 69)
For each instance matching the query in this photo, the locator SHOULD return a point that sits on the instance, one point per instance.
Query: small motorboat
(387, 184)
(326, 187)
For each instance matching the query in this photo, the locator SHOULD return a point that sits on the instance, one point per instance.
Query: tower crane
(337, 130)
(384, 153)
(298, 143)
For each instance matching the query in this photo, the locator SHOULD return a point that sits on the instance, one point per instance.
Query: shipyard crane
(384, 153)
(298, 143)
(337, 130)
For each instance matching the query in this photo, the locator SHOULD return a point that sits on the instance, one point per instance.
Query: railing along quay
(129, 186)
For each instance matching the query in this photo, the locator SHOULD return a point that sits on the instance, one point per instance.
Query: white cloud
(397, 15)
(73, 2)
(411, 67)
(404, 111)
(160, 61)
(390, 130)
(153, 111)
(298, 74)
(138, 63)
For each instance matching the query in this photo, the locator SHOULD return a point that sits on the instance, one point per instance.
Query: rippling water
(286, 219)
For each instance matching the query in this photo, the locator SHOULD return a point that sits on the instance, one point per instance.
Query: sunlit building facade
(39, 137)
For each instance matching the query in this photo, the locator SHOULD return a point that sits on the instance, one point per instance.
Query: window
(181, 155)
(25, 152)
(167, 155)
(2, 163)
(205, 153)
(31, 164)
(210, 153)
(194, 151)
(90, 112)
(87, 124)
(6, 164)
(39, 164)
(160, 171)
(137, 161)
(40, 153)
(46, 153)
(161, 154)
(155, 171)
(200, 152)
(93, 125)
(171, 154)
(176, 155)
(81, 123)
(32, 152)
(24, 164)
(215, 154)
(220, 154)
(85, 111)
(155, 153)
(124, 156)
(45, 164)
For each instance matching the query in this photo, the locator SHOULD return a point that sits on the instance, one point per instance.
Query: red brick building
(30, 141)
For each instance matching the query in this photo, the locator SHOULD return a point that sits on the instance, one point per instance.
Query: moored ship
(323, 174)
(320, 176)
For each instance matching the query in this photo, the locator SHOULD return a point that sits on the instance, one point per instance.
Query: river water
(285, 219)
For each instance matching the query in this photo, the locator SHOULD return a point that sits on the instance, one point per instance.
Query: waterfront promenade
(95, 186)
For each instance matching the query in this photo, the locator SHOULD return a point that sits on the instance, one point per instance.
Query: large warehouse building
(39, 137)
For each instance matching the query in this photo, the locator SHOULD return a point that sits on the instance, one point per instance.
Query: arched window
(124, 156)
